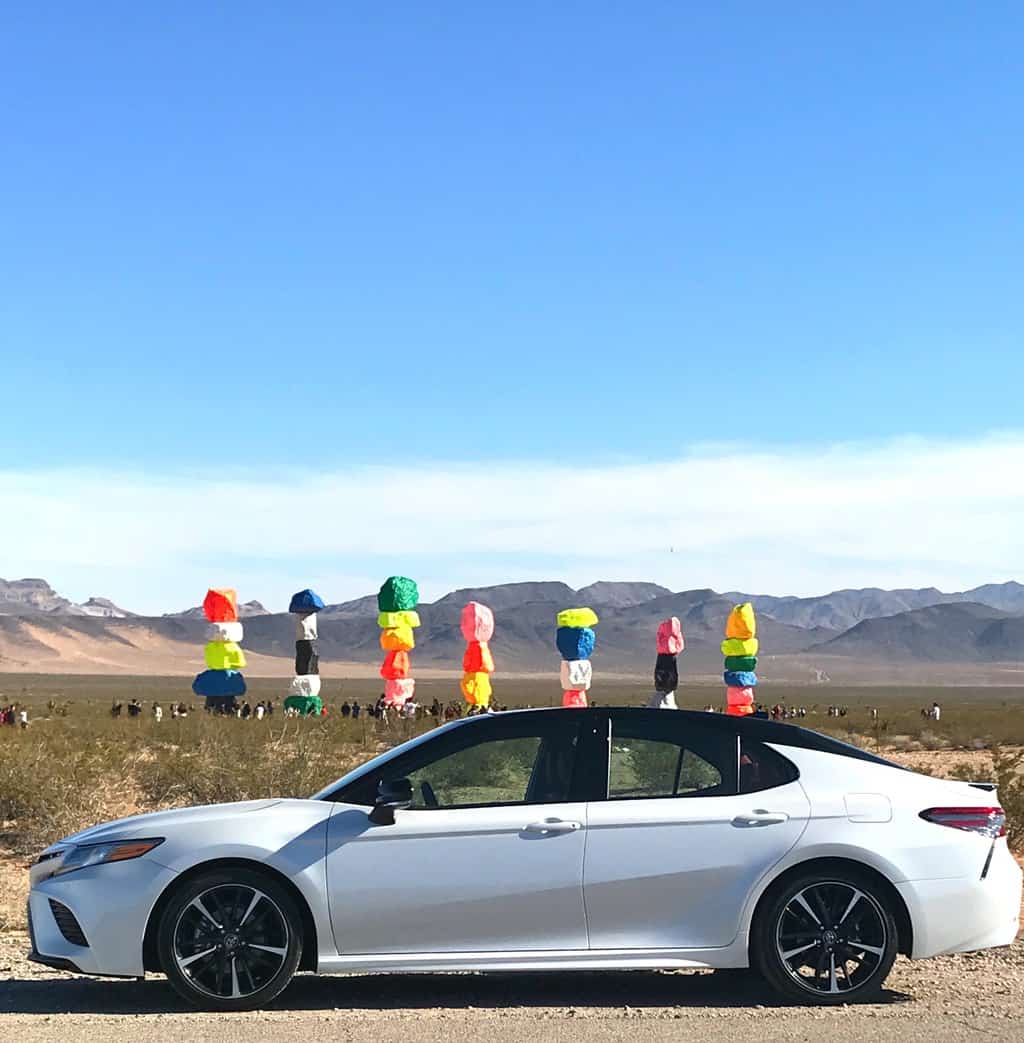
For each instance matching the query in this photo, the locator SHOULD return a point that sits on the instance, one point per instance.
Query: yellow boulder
(224, 655)
(476, 687)
(388, 620)
(577, 617)
(739, 646)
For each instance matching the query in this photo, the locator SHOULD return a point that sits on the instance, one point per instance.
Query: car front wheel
(825, 938)
(230, 940)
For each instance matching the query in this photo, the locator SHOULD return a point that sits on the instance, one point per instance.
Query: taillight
(989, 822)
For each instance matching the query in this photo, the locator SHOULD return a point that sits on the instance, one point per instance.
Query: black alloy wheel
(230, 940)
(825, 939)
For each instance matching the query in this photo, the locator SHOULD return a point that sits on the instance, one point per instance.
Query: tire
(230, 939)
(825, 938)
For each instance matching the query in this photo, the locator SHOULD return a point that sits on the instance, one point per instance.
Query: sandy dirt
(977, 996)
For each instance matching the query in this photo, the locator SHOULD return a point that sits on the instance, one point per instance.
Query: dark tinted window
(661, 755)
(511, 760)
(762, 768)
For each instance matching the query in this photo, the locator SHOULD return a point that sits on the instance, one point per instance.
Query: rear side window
(662, 756)
(763, 768)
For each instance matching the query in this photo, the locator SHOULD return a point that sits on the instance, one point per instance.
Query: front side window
(497, 772)
(659, 758)
(493, 763)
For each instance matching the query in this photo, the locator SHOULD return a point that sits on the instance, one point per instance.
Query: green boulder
(399, 594)
(741, 663)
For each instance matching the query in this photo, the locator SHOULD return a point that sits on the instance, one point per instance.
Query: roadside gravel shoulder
(972, 996)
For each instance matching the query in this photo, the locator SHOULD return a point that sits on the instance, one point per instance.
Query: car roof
(756, 729)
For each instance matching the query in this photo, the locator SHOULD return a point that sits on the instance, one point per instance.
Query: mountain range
(855, 630)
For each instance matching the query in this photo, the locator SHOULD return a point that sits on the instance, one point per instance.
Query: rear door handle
(555, 825)
(761, 818)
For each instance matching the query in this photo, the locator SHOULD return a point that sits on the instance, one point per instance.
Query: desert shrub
(223, 759)
(929, 740)
(65, 775)
(1007, 772)
(49, 789)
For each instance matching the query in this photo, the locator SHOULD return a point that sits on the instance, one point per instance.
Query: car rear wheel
(230, 939)
(825, 938)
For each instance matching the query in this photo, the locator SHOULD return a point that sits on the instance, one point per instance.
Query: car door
(675, 848)
(488, 858)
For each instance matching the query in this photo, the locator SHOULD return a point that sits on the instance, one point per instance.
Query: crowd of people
(14, 715)
(412, 710)
(134, 708)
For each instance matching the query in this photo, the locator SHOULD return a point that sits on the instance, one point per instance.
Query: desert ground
(974, 996)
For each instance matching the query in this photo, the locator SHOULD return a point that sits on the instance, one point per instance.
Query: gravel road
(973, 997)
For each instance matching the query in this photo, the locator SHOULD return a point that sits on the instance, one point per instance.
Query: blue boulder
(219, 683)
(305, 601)
(740, 679)
(575, 642)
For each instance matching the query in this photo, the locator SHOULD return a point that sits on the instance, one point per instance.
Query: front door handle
(553, 825)
(761, 818)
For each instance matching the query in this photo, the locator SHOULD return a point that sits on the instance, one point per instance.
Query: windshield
(383, 758)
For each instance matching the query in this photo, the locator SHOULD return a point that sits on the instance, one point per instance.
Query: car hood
(156, 823)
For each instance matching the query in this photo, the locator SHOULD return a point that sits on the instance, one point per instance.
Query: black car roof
(757, 729)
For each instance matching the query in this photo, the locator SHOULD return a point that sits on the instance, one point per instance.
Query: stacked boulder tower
(397, 618)
(575, 639)
(670, 643)
(304, 691)
(221, 683)
(478, 663)
(740, 650)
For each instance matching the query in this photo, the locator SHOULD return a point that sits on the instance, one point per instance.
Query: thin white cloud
(801, 520)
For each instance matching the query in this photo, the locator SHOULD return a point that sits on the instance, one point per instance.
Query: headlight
(82, 855)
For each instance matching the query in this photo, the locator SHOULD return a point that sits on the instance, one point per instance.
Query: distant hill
(524, 636)
(620, 595)
(246, 610)
(104, 608)
(25, 597)
(41, 631)
(843, 609)
(952, 633)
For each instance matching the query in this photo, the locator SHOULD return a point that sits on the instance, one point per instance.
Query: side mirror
(392, 794)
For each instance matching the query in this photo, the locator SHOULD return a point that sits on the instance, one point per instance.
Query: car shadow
(497, 991)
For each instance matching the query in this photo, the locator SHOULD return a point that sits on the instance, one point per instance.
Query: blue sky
(251, 238)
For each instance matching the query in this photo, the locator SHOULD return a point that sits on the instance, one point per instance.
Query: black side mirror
(392, 794)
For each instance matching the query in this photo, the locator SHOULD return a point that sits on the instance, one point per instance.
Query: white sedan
(548, 840)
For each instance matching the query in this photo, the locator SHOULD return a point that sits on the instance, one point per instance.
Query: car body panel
(111, 903)
(674, 873)
(468, 879)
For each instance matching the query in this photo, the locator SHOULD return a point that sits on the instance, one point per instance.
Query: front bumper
(963, 915)
(111, 904)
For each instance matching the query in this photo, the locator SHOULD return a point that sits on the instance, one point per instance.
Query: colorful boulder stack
(575, 639)
(666, 674)
(304, 691)
(221, 683)
(397, 618)
(740, 651)
(477, 663)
